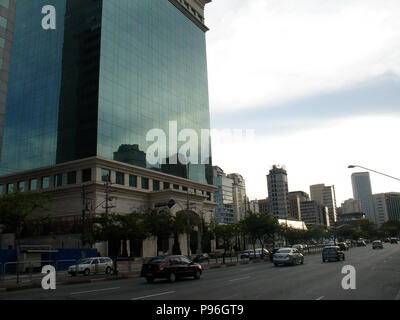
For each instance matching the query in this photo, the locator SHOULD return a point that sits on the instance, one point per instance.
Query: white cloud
(269, 51)
(318, 155)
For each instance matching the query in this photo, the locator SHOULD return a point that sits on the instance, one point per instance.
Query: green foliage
(391, 228)
(225, 233)
(16, 210)
(117, 227)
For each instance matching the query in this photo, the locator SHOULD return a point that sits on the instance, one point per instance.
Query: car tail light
(161, 267)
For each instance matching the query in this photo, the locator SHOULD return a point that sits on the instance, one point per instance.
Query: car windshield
(284, 251)
(85, 261)
(330, 250)
(157, 260)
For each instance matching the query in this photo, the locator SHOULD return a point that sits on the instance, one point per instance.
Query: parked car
(250, 254)
(92, 265)
(170, 268)
(387, 240)
(343, 246)
(332, 253)
(361, 243)
(201, 258)
(377, 244)
(394, 240)
(287, 256)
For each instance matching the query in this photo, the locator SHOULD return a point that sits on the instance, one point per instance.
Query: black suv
(170, 268)
(332, 253)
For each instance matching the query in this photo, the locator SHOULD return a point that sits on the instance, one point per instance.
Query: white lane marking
(239, 279)
(154, 295)
(92, 291)
(320, 298)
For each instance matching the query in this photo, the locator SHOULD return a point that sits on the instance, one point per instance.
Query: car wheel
(197, 275)
(108, 270)
(302, 261)
(275, 264)
(172, 277)
(150, 280)
(86, 272)
(344, 258)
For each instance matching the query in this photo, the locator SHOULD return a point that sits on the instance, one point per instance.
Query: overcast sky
(318, 81)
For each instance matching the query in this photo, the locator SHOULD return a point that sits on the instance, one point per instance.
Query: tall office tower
(223, 196)
(278, 192)
(362, 191)
(110, 73)
(7, 17)
(89, 99)
(386, 207)
(295, 199)
(325, 196)
(240, 203)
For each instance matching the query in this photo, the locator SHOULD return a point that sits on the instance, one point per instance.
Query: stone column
(150, 247)
(183, 244)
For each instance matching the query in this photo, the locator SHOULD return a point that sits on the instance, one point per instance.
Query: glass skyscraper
(111, 71)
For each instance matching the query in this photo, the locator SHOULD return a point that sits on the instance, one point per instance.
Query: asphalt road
(377, 278)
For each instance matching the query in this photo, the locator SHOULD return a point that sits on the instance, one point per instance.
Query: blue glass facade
(112, 71)
(31, 120)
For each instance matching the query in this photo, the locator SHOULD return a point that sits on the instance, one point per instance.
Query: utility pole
(108, 190)
(84, 219)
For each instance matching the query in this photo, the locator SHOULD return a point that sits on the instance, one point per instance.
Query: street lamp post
(352, 166)
(383, 174)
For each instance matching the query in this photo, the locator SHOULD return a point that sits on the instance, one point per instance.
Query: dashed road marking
(93, 291)
(154, 295)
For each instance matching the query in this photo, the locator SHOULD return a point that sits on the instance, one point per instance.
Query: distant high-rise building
(362, 191)
(223, 196)
(295, 199)
(386, 207)
(254, 207)
(239, 196)
(7, 18)
(351, 206)
(278, 192)
(313, 213)
(263, 205)
(325, 196)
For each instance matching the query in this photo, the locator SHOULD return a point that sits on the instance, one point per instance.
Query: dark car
(170, 268)
(361, 243)
(377, 244)
(332, 253)
(394, 240)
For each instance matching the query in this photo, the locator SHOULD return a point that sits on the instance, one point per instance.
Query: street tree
(16, 213)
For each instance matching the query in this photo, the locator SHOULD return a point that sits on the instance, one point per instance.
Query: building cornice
(188, 14)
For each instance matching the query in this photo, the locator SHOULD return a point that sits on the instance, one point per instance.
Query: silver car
(286, 256)
(92, 265)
